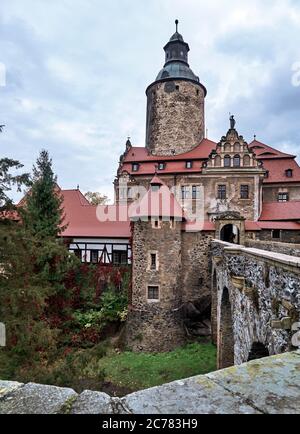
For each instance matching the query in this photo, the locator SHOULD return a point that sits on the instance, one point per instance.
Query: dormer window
(155, 187)
(135, 167)
(189, 165)
(289, 173)
(267, 174)
(283, 197)
(161, 166)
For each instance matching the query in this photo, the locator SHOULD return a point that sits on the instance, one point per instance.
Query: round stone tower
(175, 104)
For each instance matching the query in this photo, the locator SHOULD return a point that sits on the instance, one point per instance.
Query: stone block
(37, 399)
(238, 282)
(276, 324)
(90, 402)
(270, 384)
(7, 387)
(287, 305)
(197, 395)
(286, 323)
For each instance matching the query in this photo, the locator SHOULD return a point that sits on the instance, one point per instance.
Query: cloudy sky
(77, 70)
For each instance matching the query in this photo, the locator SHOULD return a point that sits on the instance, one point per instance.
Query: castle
(173, 197)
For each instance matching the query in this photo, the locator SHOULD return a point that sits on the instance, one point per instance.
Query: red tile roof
(157, 203)
(252, 226)
(83, 218)
(263, 151)
(277, 170)
(174, 163)
(275, 211)
(201, 151)
(289, 226)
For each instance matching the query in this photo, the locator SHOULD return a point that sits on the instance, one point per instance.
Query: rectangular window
(283, 197)
(196, 192)
(189, 165)
(94, 256)
(161, 166)
(244, 191)
(122, 193)
(153, 261)
(276, 234)
(185, 192)
(221, 191)
(129, 193)
(135, 167)
(289, 173)
(120, 257)
(153, 293)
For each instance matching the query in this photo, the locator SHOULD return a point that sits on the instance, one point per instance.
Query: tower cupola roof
(176, 61)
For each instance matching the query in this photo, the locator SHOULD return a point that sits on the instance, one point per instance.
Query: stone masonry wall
(175, 117)
(264, 290)
(285, 236)
(196, 266)
(156, 326)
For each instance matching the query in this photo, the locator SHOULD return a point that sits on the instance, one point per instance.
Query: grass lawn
(135, 371)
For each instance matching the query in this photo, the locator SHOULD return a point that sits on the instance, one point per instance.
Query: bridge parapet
(255, 302)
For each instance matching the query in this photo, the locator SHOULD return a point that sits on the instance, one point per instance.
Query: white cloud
(77, 71)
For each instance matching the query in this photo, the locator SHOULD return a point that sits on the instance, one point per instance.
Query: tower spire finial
(176, 22)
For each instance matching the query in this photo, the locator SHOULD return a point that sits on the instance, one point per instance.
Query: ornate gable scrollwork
(233, 153)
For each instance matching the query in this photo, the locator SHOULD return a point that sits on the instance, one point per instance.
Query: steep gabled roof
(157, 203)
(263, 151)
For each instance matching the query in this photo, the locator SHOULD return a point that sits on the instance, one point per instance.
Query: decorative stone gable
(233, 152)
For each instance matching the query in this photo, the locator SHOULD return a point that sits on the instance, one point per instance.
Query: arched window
(246, 160)
(237, 147)
(227, 147)
(227, 161)
(236, 161)
(218, 161)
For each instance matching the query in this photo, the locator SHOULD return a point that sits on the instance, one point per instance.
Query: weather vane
(176, 22)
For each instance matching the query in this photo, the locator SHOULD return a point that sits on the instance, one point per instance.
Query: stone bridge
(255, 302)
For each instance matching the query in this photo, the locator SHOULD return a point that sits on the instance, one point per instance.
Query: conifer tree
(44, 214)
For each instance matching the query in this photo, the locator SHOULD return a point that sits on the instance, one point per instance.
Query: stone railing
(244, 389)
(277, 247)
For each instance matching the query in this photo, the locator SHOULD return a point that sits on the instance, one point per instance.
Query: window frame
(278, 231)
(196, 192)
(281, 199)
(189, 163)
(185, 192)
(92, 252)
(227, 158)
(135, 167)
(222, 188)
(235, 158)
(245, 188)
(153, 300)
(120, 253)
